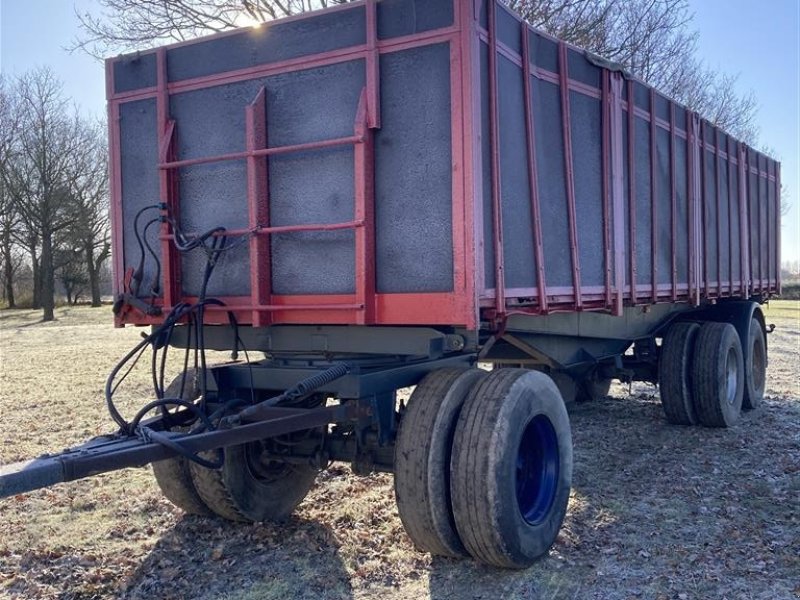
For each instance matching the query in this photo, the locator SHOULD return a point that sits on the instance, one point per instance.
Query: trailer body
(382, 194)
(465, 167)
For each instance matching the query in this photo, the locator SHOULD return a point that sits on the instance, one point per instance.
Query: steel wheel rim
(537, 470)
(732, 376)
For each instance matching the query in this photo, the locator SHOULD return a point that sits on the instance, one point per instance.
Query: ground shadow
(209, 558)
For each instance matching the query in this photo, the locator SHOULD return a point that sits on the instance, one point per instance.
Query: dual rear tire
(246, 488)
(706, 377)
(495, 482)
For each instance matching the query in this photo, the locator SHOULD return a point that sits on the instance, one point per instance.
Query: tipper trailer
(382, 194)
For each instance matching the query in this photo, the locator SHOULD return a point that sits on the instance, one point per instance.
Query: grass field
(657, 511)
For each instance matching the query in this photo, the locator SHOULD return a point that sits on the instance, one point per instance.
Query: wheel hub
(537, 470)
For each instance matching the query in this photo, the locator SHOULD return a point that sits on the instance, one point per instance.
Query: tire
(246, 490)
(173, 475)
(422, 460)
(511, 469)
(674, 373)
(755, 367)
(718, 375)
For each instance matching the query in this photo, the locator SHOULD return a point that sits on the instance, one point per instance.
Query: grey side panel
(508, 30)
(413, 172)
(644, 225)
(587, 136)
(303, 106)
(710, 225)
(736, 238)
(134, 71)
(552, 192)
(682, 212)
(486, 178)
(724, 222)
(268, 44)
(518, 253)
(140, 185)
(406, 17)
(663, 208)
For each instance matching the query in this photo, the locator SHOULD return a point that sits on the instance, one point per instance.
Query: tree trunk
(8, 270)
(94, 275)
(48, 278)
(37, 279)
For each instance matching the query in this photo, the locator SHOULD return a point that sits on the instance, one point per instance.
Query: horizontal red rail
(282, 307)
(279, 229)
(345, 141)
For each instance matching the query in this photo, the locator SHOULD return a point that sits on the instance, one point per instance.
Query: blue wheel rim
(537, 470)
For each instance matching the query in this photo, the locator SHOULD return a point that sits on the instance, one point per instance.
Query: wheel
(755, 367)
(511, 468)
(247, 488)
(674, 366)
(422, 459)
(173, 475)
(718, 375)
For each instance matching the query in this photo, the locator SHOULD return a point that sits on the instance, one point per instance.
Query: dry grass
(657, 511)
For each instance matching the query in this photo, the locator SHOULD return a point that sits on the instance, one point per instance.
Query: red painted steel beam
(167, 183)
(373, 67)
(365, 213)
(673, 193)
(729, 200)
(779, 283)
(494, 143)
(533, 175)
(344, 141)
(258, 206)
(653, 197)
(744, 226)
(703, 201)
(632, 189)
(719, 212)
(569, 171)
(617, 188)
(605, 112)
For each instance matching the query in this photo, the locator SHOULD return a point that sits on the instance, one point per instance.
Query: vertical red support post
(744, 221)
(697, 263)
(719, 212)
(494, 141)
(167, 179)
(373, 67)
(778, 281)
(365, 213)
(632, 189)
(617, 188)
(758, 221)
(566, 129)
(703, 201)
(533, 176)
(605, 111)
(258, 206)
(673, 193)
(691, 175)
(731, 232)
(767, 209)
(653, 196)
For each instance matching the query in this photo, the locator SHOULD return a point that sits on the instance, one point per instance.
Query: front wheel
(511, 469)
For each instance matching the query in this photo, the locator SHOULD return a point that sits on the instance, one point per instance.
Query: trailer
(381, 195)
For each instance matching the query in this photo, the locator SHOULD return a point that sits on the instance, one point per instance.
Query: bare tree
(133, 24)
(39, 171)
(9, 216)
(90, 232)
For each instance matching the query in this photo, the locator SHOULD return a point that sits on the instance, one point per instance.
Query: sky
(758, 40)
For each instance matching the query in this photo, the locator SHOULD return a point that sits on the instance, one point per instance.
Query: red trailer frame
(471, 301)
